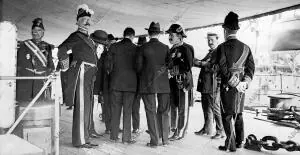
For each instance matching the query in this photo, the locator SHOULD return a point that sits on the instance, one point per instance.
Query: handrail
(260, 74)
(23, 77)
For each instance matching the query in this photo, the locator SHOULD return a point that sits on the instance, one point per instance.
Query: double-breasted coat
(33, 59)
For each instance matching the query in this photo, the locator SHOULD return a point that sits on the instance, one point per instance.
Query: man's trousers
(150, 108)
(211, 111)
(163, 116)
(83, 105)
(106, 111)
(181, 99)
(136, 112)
(121, 99)
(234, 129)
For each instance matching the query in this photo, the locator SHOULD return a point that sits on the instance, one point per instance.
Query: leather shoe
(132, 141)
(88, 146)
(69, 108)
(224, 148)
(136, 131)
(239, 145)
(114, 140)
(147, 131)
(217, 136)
(95, 135)
(151, 145)
(174, 137)
(89, 143)
(201, 132)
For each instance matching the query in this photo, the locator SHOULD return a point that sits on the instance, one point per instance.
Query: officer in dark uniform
(81, 76)
(123, 84)
(154, 83)
(181, 81)
(208, 86)
(236, 69)
(137, 97)
(174, 108)
(34, 58)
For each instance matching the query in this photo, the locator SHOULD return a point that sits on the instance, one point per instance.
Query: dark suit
(123, 84)
(81, 76)
(151, 63)
(102, 86)
(233, 101)
(181, 59)
(207, 85)
(27, 61)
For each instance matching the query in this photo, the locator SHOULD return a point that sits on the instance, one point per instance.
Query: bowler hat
(231, 21)
(176, 28)
(38, 22)
(154, 27)
(141, 40)
(100, 37)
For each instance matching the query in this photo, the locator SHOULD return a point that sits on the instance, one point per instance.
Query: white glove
(242, 86)
(64, 70)
(239, 87)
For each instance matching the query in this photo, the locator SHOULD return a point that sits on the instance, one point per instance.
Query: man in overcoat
(123, 84)
(154, 84)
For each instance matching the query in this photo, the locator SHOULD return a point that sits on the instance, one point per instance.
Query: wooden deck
(191, 145)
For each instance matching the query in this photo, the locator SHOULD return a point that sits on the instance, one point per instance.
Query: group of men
(125, 73)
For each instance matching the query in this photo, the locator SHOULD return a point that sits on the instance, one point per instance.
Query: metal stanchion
(29, 106)
(56, 120)
(52, 79)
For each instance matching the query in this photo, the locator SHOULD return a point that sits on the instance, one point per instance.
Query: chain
(270, 143)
